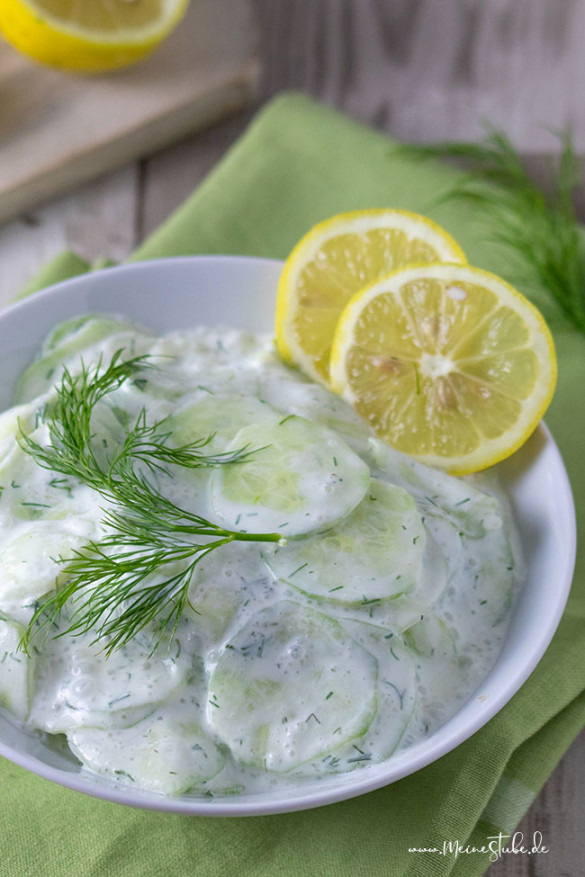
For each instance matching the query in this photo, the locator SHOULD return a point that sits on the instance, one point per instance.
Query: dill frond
(539, 226)
(140, 571)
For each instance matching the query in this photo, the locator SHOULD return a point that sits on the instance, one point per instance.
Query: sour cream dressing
(366, 631)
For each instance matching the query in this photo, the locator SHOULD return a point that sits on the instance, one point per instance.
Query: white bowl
(221, 290)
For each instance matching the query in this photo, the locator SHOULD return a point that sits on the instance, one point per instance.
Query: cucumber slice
(76, 685)
(315, 403)
(219, 587)
(28, 563)
(167, 753)
(396, 698)
(78, 332)
(10, 424)
(84, 338)
(219, 417)
(431, 583)
(32, 493)
(15, 670)
(463, 502)
(290, 687)
(431, 637)
(301, 479)
(489, 595)
(375, 554)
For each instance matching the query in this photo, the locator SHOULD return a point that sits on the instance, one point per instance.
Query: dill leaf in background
(541, 227)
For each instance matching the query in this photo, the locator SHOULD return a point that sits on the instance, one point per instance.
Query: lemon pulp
(336, 259)
(448, 363)
(88, 37)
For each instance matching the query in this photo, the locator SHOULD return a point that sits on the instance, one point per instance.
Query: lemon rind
(491, 451)
(50, 41)
(350, 222)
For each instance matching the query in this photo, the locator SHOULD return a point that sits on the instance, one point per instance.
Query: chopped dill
(298, 569)
(118, 699)
(399, 694)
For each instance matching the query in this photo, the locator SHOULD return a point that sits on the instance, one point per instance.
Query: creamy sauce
(366, 631)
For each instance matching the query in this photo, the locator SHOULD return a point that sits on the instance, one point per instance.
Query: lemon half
(448, 363)
(336, 259)
(90, 36)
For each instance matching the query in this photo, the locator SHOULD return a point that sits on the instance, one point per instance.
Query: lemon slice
(336, 259)
(448, 363)
(90, 37)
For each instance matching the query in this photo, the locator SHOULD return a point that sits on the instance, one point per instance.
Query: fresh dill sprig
(140, 571)
(541, 226)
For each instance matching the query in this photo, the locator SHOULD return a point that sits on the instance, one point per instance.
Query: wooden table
(421, 70)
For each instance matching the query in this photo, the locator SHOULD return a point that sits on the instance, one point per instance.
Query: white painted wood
(59, 130)
(425, 70)
(99, 219)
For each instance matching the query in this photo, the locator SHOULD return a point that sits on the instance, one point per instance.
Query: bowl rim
(306, 795)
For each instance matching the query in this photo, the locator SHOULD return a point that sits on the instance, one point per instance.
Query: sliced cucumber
(466, 503)
(32, 493)
(431, 637)
(289, 687)
(11, 422)
(302, 478)
(218, 417)
(76, 685)
(374, 554)
(489, 594)
(15, 670)
(219, 587)
(29, 562)
(396, 698)
(167, 753)
(84, 338)
(71, 336)
(431, 583)
(315, 403)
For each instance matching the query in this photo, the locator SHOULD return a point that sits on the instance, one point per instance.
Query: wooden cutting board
(58, 130)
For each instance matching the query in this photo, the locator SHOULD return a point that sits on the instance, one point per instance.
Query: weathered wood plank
(57, 130)
(98, 220)
(425, 71)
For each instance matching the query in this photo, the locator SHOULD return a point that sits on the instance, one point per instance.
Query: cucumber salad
(254, 590)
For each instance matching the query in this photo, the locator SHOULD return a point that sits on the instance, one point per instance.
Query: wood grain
(426, 71)
(419, 70)
(57, 130)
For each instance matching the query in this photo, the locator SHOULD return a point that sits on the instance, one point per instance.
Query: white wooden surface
(58, 130)
(419, 69)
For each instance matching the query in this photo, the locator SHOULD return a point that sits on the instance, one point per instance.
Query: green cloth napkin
(297, 164)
